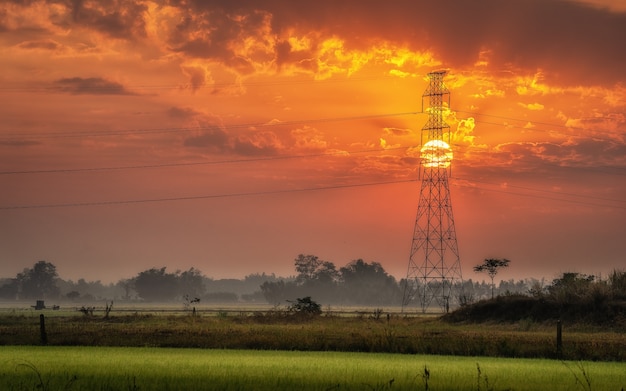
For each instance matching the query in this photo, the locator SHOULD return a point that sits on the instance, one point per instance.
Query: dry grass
(277, 330)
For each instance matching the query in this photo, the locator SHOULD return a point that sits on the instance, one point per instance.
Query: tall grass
(89, 368)
(396, 335)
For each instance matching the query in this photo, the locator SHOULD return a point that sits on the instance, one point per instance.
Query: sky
(231, 136)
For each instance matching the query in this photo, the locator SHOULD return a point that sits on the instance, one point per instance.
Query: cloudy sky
(232, 136)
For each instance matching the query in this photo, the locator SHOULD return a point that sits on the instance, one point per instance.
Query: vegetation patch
(288, 330)
(574, 298)
(89, 368)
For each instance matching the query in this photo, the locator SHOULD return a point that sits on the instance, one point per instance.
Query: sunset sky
(231, 136)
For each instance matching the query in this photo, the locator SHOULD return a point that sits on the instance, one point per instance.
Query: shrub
(305, 306)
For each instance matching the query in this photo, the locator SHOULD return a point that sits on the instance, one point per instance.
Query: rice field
(140, 368)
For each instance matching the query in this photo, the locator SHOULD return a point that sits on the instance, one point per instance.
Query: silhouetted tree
(39, 282)
(306, 267)
(368, 283)
(73, 295)
(491, 266)
(156, 285)
(571, 287)
(279, 291)
(617, 284)
(326, 274)
(191, 282)
(9, 289)
(316, 277)
(127, 285)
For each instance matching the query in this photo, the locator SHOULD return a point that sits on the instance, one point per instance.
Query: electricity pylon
(434, 264)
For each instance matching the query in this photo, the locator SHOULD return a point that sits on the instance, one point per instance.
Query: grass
(413, 335)
(91, 368)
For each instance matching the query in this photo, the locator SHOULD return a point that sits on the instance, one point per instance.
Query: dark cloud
(46, 44)
(597, 152)
(573, 43)
(19, 143)
(581, 152)
(246, 147)
(214, 140)
(90, 85)
(212, 34)
(115, 18)
(181, 112)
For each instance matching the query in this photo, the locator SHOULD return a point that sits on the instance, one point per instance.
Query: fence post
(559, 339)
(42, 330)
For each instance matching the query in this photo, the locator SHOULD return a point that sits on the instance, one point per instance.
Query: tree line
(42, 282)
(357, 283)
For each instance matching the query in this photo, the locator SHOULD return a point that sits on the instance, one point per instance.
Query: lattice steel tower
(434, 266)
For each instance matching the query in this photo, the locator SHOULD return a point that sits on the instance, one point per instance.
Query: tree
(191, 282)
(571, 287)
(40, 282)
(491, 266)
(156, 285)
(127, 285)
(316, 277)
(306, 266)
(368, 283)
(278, 291)
(9, 289)
(73, 295)
(617, 283)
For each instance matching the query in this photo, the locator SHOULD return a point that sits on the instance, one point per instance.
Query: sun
(436, 153)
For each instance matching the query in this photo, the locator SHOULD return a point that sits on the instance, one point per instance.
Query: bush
(305, 306)
(593, 305)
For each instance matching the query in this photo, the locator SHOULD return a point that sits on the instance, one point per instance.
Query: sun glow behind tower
(436, 153)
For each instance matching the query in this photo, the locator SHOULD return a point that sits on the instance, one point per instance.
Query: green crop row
(103, 368)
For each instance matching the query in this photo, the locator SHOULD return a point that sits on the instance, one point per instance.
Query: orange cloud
(532, 106)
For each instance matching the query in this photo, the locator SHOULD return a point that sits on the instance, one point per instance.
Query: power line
(200, 197)
(519, 119)
(547, 198)
(323, 188)
(251, 160)
(214, 162)
(109, 133)
(544, 191)
(533, 129)
(147, 131)
(286, 123)
(114, 86)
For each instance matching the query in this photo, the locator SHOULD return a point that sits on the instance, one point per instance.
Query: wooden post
(559, 339)
(42, 330)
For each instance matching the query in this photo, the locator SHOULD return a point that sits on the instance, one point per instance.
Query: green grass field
(114, 368)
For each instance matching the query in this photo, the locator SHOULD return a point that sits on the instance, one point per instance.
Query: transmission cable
(212, 162)
(200, 197)
(544, 191)
(321, 188)
(109, 133)
(546, 197)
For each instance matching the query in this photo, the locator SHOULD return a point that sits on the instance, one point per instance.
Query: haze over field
(231, 136)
